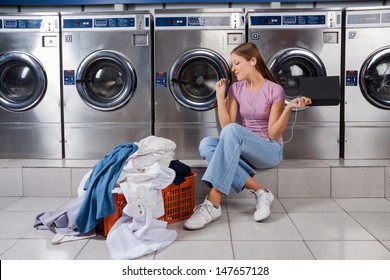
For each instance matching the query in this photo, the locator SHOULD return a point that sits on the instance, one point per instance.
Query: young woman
(256, 143)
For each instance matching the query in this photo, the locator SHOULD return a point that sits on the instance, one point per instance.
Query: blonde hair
(249, 50)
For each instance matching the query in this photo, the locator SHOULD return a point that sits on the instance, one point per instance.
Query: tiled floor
(310, 228)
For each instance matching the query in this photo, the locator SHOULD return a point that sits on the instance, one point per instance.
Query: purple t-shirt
(255, 107)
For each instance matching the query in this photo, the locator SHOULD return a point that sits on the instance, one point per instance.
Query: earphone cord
(292, 126)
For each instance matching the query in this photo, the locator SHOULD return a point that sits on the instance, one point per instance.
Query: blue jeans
(232, 156)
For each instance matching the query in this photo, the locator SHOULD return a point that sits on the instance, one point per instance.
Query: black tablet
(323, 91)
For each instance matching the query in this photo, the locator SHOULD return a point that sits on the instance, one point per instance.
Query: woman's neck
(255, 82)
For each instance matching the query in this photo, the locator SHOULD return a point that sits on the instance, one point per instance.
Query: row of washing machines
(75, 85)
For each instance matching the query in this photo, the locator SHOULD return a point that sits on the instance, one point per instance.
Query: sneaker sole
(260, 220)
(205, 225)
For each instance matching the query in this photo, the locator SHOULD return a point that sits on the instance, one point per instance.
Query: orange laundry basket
(179, 202)
(108, 221)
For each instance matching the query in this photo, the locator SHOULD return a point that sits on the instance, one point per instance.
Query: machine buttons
(351, 78)
(140, 39)
(234, 38)
(255, 36)
(330, 38)
(235, 21)
(50, 41)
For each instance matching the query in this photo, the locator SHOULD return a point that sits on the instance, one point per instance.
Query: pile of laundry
(137, 170)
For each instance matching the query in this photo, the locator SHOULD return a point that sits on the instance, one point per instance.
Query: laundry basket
(108, 221)
(179, 202)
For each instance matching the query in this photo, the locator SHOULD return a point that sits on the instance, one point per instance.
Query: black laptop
(323, 91)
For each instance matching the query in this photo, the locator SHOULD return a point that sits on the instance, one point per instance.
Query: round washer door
(290, 65)
(193, 76)
(22, 81)
(374, 78)
(106, 80)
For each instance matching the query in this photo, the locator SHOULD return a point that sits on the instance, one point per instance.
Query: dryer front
(374, 79)
(298, 44)
(367, 83)
(106, 80)
(23, 81)
(193, 76)
(30, 87)
(192, 49)
(292, 64)
(106, 60)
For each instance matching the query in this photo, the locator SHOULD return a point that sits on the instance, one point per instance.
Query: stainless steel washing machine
(107, 81)
(367, 83)
(30, 87)
(298, 44)
(192, 52)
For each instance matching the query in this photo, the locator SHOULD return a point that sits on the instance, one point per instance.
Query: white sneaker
(264, 201)
(203, 215)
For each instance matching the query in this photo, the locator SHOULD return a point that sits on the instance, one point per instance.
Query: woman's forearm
(223, 114)
(277, 129)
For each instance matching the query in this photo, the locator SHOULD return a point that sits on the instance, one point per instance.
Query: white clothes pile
(141, 181)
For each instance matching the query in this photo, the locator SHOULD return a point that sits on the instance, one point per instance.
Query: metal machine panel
(107, 79)
(192, 51)
(303, 43)
(367, 88)
(30, 92)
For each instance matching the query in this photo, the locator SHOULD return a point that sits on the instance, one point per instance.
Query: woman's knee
(230, 129)
(207, 147)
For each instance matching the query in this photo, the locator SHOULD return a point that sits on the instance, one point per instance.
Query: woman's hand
(299, 102)
(220, 88)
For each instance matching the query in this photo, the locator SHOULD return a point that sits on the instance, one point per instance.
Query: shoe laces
(261, 199)
(203, 210)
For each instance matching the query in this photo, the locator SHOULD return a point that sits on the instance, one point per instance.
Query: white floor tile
(40, 234)
(37, 204)
(386, 244)
(5, 244)
(42, 249)
(197, 250)
(95, 249)
(348, 250)
(364, 204)
(5, 201)
(378, 224)
(16, 224)
(249, 205)
(310, 205)
(329, 226)
(11, 183)
(277, 227)
(271, 250)
(52, 182)
(218, 230)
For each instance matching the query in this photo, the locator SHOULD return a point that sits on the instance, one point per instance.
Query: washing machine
(30, 86)
(107, 81)
(192, 52)
(367, 83)
(299, 44)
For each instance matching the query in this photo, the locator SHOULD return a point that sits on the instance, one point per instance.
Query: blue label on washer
(161, 79)
(304, 20)
(69, 77)
(114, 22)
(78, 23)
(171, 21)
(351, 78)
(266, 20)
(22, 23)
